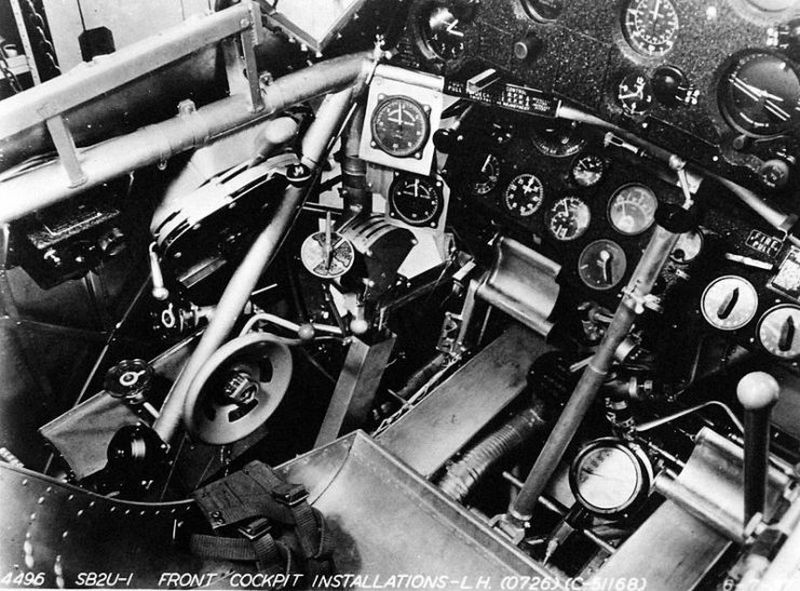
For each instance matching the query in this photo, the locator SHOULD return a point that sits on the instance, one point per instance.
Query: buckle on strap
(289, 494)
(255, 529)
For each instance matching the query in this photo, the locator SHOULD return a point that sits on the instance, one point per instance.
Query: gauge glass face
(729, 302)
(523, 196)
(400, 126)
(632, 209)
(487, 176)
(607, 478)
(602, 264)
(688, 246)
(544, 10)
(568, 218)
(588, 170)
(778, 331)
(635, 95)
(650, 26)
(558, 140)
(441, 32)
(415, 200)
(771, 5)
(327, 258)
(759, 94)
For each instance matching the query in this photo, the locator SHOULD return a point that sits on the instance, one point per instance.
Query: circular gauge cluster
(632, 209)
(524, 195)
(650, 26)
(568, 218)
(759, 94)
(416, 200)
(729, 302)
(400, 126)
(602, 264)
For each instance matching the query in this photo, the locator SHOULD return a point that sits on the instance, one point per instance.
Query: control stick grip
(757, 392)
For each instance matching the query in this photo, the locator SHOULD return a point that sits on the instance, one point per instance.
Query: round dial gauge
(327, 255)
(416, 200)
(400, 126)
(688, 246)
(544, 10)
(759, 94)
(778, 331)
(771, 6)
(440, 31)
(487, 175)
(558, 140)
(635, 95)
(632, 209)
(729, 302)
(568, 218)
(588, 170)
(524, 194)
(650, 26)
(602, 264)
(607, 476)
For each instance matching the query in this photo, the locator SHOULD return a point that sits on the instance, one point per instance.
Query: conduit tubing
(48, 184)
(330, 116)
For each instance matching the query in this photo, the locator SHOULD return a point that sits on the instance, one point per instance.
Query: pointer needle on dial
(728, 304)
(328, 249)
(787, 334)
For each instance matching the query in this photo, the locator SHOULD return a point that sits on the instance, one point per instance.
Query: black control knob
(672, 87)
(529, 48)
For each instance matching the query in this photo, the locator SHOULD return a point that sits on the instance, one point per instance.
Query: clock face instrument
(400, 126)
(524, 194)
(635, 95)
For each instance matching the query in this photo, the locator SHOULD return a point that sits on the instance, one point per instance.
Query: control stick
(758, 393)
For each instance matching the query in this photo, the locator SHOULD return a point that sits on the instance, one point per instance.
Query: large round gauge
(778, 331)
(558, 139)
(487, 175)
(440, 32)
(524, 195)
(588, 170)
(602, 264)
(650, 26)
(327, 255)
(729, 302)
(688, 246)
(543, 10)
(632, 209)
(400, 126)
(759, 94)
(416, 200)
(568, 218)
(608, 476)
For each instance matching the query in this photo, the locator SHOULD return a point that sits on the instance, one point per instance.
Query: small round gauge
(327, 255)
(602, 264)
(543, 10)
(778, 331)
(635, 95)
(568, 218)
(416, 200)
(558, 139)
(400, 126)
(688, 246)
(632, 209)
(487, 175)
(524, 195)
(650, 26)
(759, 94)
(440, 32)
(608, 476)
(588, 170)
(729, 302)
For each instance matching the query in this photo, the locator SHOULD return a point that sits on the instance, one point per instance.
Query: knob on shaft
(757, 392)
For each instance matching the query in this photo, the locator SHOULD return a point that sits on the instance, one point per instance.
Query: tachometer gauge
(759, 94)
(487, 175)
(778, 331)
(327, 254)
(400, 126)
(729, 302)
(524, 195)
(602, 264)
(588, 170)
(543, 10)
(568, 218)
(558, 139)
(416, 200)
(635, 95)
(632, 209)
(608, 476)
(650, 26)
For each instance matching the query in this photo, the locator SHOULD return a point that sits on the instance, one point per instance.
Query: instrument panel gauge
(327, 254)
(650, 26)
(588, 170)
(524, 194)
(632, 209)
(635, 95)
(441, 33)
(609, 476)
(487, 176)
(558, 140)
(778, 331)
(688, 246)
(759, 94)
(602, 264)
(543, 10)
(416, 200)
(729, 302)
(568, 218)
(400, 126)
